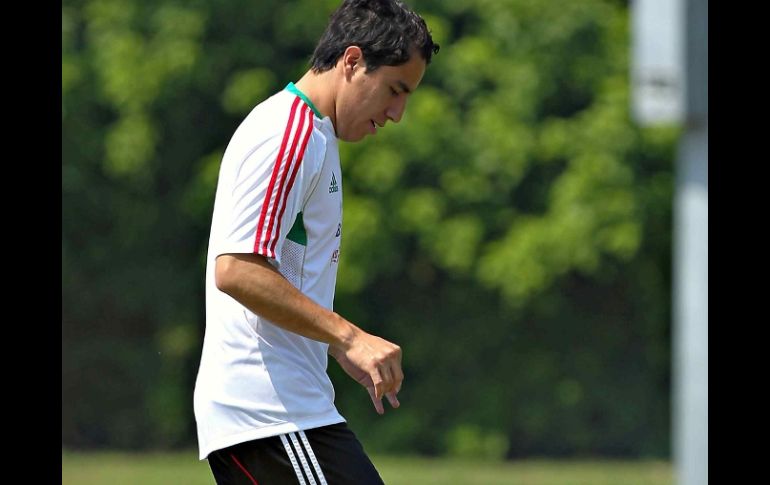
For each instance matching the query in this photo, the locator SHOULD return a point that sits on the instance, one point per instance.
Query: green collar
(293, 89)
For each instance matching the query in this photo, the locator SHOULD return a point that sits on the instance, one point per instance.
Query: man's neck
(319, 88)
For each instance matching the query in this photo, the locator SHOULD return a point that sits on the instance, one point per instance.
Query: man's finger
(379, 384)
(388, 383)
(393, 399)
(399, 377)
(377, 402)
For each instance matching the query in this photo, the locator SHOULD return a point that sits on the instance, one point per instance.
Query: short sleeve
(268, 190)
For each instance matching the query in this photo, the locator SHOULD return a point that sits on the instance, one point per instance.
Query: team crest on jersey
(335, 255)
(333, 187)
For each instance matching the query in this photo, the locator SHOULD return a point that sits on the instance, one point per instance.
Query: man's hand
(374, 363)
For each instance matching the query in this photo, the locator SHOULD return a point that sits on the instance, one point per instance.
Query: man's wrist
(344, 335)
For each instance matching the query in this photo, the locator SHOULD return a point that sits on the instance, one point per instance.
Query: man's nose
(396, 110)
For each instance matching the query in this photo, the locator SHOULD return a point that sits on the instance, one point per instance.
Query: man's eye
(395, 93)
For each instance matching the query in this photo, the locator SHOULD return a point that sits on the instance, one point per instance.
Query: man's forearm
(372, 361)
(258, 286)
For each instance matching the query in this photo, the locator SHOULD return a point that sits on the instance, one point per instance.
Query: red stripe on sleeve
(303, 146)
(268, 251)
(276, 169)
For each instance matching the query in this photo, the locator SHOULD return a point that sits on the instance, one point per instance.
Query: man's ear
(352, 60)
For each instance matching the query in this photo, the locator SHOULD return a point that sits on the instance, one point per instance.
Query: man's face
(368, 100)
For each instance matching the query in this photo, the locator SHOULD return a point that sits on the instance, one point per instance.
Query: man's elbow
(231, 270)
(223, 272)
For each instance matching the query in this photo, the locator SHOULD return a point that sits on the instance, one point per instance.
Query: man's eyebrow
(403, 86)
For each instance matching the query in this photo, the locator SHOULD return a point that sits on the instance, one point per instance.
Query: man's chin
(353, 138)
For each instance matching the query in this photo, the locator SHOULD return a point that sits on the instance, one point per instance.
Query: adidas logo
(333, 187)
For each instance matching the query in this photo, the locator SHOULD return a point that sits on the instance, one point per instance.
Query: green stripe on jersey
(293, 89)
(297, 232)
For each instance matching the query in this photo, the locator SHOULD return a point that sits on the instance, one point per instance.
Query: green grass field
(184, 468)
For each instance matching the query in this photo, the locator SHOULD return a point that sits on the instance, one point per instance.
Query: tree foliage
(512, 233)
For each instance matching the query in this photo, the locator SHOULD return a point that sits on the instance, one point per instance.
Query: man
(264, 404)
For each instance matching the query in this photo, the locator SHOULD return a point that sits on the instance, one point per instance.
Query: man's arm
(372, 361)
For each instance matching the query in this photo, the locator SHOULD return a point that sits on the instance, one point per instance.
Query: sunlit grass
(184, 468)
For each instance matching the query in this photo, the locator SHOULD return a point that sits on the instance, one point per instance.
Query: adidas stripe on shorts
(327, 455)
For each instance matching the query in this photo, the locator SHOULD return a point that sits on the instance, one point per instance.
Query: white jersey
(279, 194)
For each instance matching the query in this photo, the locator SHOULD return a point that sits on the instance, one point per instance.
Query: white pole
(670, 85)
(690, 292)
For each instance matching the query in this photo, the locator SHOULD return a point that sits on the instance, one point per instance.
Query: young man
(264, 404)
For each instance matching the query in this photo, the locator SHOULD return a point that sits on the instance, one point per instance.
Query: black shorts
(328, 455)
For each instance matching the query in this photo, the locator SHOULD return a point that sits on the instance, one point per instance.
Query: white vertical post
(690, 345)
(670, 85)
(690, 312)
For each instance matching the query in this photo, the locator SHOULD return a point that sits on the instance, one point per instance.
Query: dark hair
(387, 31)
